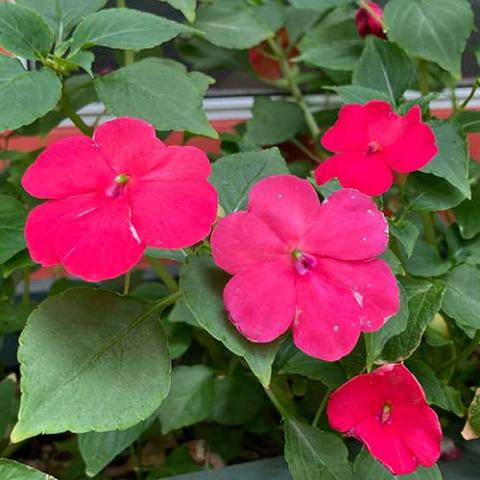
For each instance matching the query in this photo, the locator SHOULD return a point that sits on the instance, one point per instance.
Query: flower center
(373, 147)
(118, 186)
(386, 413)
(303, 261)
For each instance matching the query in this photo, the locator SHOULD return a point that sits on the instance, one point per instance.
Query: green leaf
(318, 4)
(315, 455)
(124, 28)
(13, 316)
(83, 60)
(469, 120)
(231, 24)
(180, 313)
(191, 398)
(8, 405)
(426, 262)
(12, 222)
(238, 399)
(73, 351)
(468, 215)
(439, 394)
(180, 336)
(161, 94)
(24, 32)
(429, 193)
(366, 467)
(234, 175)
(99, 449)
(187, 7)
(201, 279)
(25, 95)
(394, 326)
(356, 94)
(384, 67)
(10, 470)
(424, 301)
(474, 413)
(274, 122)
(462, 296)
(63, 15)
(336, 46)
(406, 233)
(175, 255)
(452, 160)
(435, 30)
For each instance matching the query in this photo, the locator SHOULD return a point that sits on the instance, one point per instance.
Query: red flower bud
(369, 23)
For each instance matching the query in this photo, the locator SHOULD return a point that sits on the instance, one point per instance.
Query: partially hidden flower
(371, 142)
(388, 412)
(305, 266)
(111, 196)
(262, 58)
(369, 21)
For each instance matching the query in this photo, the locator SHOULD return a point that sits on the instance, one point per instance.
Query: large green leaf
(315, 455)
(366, 467)
(125, 29)
(187, 7)
(63, 15)
(462, 296)
(200, 279)
(468, 215)
(191, 398)
(435, 30)
(426, 262)
(384, 67)
(231, 24)
(10, 470)
(25, 95)
(99, 449)
(8, 405)
(90, 360)
(274, 122)
(12, 222)
(234, 175)
(24, 32)
(424, 301)
(451, 162)
(159, 93)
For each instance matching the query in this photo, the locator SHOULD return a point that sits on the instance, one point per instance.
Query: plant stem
(69, 111)
(129, 55)
(321, 407)
(164, 274)
(423, 77)
(305, 150)
(126, 283)
(277, 404)
(428, 228)
(294, 88)
(26, 287)
(465, 103)
(136, 464)
(465, 354)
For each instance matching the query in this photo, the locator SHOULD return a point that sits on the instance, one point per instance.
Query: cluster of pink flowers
(296, 264)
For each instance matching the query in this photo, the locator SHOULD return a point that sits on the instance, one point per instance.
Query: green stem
(69, 111)
(465, 354)
(126, 283)
(465, 103)
(26, 287)
(321, 407)
(129, 55)
(294, 88)
(164, 274)
(305, 150)
(277, 404)
(423, 77)
(136, 464)
(428, 228)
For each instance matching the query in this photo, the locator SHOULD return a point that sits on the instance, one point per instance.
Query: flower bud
(368, 22)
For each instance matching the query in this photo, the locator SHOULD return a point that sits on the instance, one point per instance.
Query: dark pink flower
(305, 266)
(388, 412)
(368, 23)
(111, 196)
(370, 142)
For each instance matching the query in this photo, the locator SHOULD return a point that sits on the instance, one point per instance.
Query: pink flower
(370, 141)
(369, 24)
(387, 411)
(307, 266)
(111, 196)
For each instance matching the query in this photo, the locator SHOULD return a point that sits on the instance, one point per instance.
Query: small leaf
(315, 455)
(426, 262)
(175, 255)
(10, 470)
(13, 316)
(12, 222)
(8, 405)
(159, 93)
(234, 175)
(73, 351)
(406, 233)
(356, 94)
(187, 7)
(24, 32)
(124, 28)
(473, 418)
(469, 120)
(191, 398)
(435, 30)
(201, 279)
(468, 215)
(26, 95)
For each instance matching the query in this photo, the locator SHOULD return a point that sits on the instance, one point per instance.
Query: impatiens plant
(179, 294)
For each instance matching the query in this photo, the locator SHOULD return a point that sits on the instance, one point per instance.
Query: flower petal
(352, 402)
(286, 204)
(71, 166)
(349, 226)
(372, 285)
(326, 325)
(261, 300)
(130, 145)
(326, 170)
(415, 148)
(241, 240)
(100, 243)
